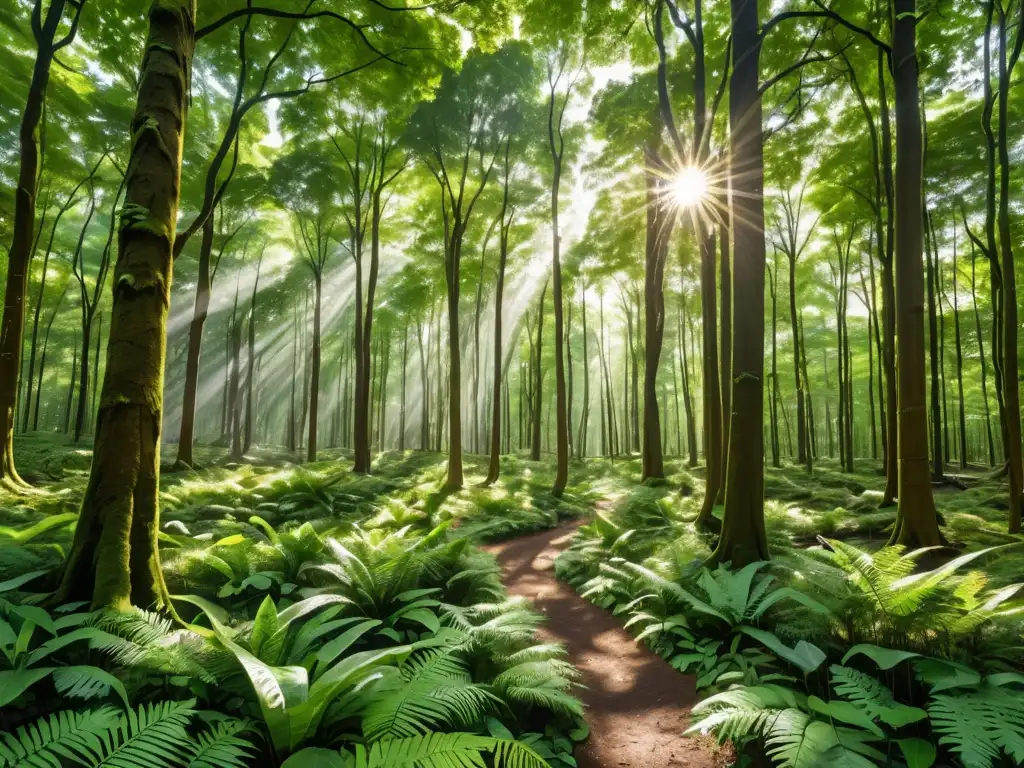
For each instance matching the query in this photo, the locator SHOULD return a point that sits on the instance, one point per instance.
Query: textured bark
(114, 561)
(916, 520)
(726, 348)
(743, 539)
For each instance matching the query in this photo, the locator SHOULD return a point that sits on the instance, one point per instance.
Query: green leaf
(87, 682)
(424, 616)
(885, 658)
(845, 712)
(806, 656)
(14, 682)
(917, 752)
(332, 650)
(264, 625)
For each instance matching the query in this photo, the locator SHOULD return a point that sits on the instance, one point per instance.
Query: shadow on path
(637, 705)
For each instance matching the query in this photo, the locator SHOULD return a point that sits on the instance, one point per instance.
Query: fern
(154, 732)
(980, 725)
(438, 692)
(220, 747)
(447, 750)
(63, 735)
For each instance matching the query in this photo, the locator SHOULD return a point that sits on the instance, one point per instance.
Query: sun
(689, 187)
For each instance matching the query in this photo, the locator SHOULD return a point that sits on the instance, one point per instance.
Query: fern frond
(154, 732)
(220, 747)
(447, 750)
(68, 735)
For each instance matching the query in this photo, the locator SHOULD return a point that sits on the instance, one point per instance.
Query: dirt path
(637, 705)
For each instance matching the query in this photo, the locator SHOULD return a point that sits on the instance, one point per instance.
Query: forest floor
(637, 705)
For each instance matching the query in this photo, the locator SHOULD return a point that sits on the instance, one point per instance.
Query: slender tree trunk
(405, 368)
(959, 361)
(96, 373)
(114, 560)
(916, 520)
(712, 393)
(726, 356)
(581, 449)
(981, 353)
(314, 375)
(455, 478)
(69, 401)
(42, 362)
(774, 405)
(1011, 374)
(684, 373)
(933, 355)
(538, 374)
(659, 229)
(12, 327)
(743, 538)
(251, 360)
(812, 443)
(889, 308)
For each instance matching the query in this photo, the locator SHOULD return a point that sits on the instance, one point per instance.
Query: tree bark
(916, 520)
(114, 561)
(743, 539)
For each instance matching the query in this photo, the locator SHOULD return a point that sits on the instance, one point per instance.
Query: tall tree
(46, 34)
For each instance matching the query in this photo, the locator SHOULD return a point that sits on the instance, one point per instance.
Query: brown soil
(637, 705)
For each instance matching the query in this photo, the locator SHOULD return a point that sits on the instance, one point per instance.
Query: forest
(511, 383)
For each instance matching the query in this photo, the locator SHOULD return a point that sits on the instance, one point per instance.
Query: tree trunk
(70, 399)
(933, 356)
(12, 327)
(581, 447)
(538, 377)
(743, 538)
(916, 520)
(114, 560)
(962, 419)
(42, 362)
(889, 309)
(235, 385)
(774, 405)
(250, 377)
(200, 311)
(727, 352)
(1011, 396)
(981, 354)
(713, 474)
(684, 373)
(659, 230)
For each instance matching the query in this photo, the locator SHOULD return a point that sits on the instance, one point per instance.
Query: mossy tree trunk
(114, 561)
